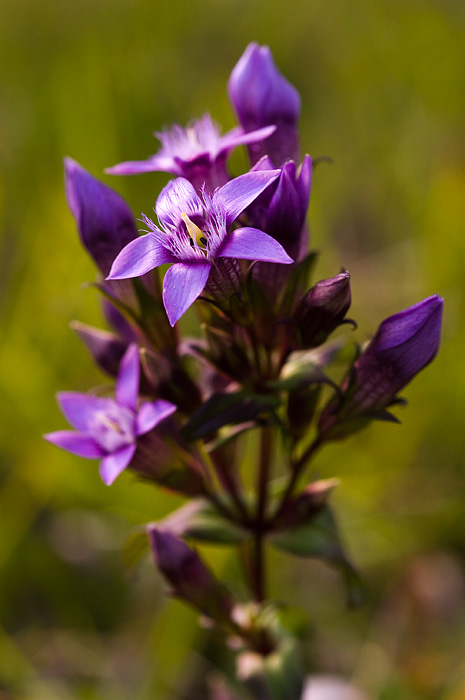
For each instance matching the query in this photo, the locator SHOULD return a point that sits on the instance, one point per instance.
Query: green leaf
(200, 521)
(320, 538)
(223, 409)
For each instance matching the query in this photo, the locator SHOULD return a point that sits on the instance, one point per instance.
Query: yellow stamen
(196, 234)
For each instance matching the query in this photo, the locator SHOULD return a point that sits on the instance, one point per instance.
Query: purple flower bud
(106, 348)
(105, 222)
(403, 345)
(189, 576)
(322, 309)
(282, 208)
(262, 96)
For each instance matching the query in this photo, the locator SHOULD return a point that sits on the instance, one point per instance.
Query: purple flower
(198, 152)
(262, 96)
(403, 345)
(107, 428)
(193, 234)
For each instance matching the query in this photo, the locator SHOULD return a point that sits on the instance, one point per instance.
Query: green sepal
(320, 538)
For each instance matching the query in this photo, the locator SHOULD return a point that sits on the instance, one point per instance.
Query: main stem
(258, 563)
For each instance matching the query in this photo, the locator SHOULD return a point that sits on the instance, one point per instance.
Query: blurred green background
(383, 93)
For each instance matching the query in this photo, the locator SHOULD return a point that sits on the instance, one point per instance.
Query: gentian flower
(193, 234)
(403, 345)
(261, 96)
(107, 428)
(198, 152)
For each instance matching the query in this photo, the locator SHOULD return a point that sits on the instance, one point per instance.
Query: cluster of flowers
(237, 248)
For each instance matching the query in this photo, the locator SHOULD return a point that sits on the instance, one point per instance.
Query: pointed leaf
(320, 538)
(222, 409)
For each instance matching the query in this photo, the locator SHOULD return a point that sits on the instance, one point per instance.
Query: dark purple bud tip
(188, 575)
(322, 309)
(403, 345)
(261, 96)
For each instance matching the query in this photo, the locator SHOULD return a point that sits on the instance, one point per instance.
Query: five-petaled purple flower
(193, 234)
(107, 428)
(197, 152)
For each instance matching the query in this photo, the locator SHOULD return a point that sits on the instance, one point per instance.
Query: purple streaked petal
(304, 178)
(134, 167)
(183, 283)
(252, 244)
(265, 163)
(152, 413)
(237, 137)
(237, 194)
(112, 465)
(127, 384)
(104, 220)
(179, 196)
(80, 409)
(77, 443)
(138, 257)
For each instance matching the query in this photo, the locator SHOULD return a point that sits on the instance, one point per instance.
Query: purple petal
(127, 384)
(237, 194)
(134, 167)
(177, 197)
(77, 443)
(112, 465)
(304, 179)
(139, 257)
(80, 409)
(150, 414)
(253, 244)
(237, 137)
(104, 220)
(183, 283)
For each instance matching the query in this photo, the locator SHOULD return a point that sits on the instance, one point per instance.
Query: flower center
(113, 427)
(198, 238)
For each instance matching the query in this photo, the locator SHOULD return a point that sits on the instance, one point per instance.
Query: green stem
(297, 469)
(258, 566)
